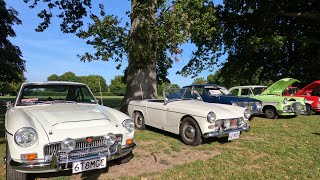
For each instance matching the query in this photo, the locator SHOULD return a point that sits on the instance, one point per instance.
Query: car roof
(249, 86)
(201, 85)
(52, 83)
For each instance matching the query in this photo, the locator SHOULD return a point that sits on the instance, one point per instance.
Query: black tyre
(190, 132)
(271, 113)
(10, 172)
(139, 121)
(125, 158)
(309, 110)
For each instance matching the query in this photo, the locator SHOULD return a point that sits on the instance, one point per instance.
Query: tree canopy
(151, 42)
(117, 86)
(199, 80)
(93, 81)
(12, 65)
(269, 40)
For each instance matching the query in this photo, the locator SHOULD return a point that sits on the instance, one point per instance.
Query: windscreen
(35, 94)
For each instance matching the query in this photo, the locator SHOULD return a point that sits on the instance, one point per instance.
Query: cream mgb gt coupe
(55, 126)
(183, 112)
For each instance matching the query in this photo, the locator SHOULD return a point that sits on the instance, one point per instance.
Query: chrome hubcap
(139, 120)
(189, 132)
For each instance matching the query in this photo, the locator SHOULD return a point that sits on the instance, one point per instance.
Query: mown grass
(272, 149)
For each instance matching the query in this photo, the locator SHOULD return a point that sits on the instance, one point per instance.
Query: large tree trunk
(141, 71)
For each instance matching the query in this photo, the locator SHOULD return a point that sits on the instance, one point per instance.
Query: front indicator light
(29, 157)
(129, 141)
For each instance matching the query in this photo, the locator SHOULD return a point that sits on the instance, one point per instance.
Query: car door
(156, 112)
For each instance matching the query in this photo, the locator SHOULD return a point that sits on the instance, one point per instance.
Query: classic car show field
(286, 148)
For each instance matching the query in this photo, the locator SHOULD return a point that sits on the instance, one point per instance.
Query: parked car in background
(213, 93)
(273, 103)
(183, 112)
(312, 94)
(54, 126)
(290, 91)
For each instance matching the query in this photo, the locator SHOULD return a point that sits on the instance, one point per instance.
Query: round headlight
(26, 137)
(259, 105)
(285, 100)
(241, 121)
(129, 125)
(68, 145)
(110, 139)
(211, 117)
(247, 114)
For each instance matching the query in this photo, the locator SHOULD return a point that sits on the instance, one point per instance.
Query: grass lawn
(273, 149)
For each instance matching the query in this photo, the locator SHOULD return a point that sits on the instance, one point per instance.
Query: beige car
(183, 112)
(54, 126)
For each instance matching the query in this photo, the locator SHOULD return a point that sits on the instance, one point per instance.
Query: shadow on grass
(316, 134)
(222, 140)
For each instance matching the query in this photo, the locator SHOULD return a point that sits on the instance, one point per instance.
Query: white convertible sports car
(183, 112)
(55, 126)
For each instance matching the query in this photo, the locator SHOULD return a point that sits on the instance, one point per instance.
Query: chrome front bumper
(53, 166)
(220, 134)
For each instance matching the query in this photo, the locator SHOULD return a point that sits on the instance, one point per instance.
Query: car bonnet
(309, 88)
(278, 87)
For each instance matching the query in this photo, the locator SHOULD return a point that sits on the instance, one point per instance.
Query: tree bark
(141, 71)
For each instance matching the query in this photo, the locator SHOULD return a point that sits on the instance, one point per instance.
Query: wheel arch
(189, 116)
(269, 106)
(137, 110)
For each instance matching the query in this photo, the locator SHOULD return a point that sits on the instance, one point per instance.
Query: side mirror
(166, 101)
(8, 104)
(99, 101)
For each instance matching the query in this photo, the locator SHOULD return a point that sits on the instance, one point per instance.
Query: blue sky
(52, 52)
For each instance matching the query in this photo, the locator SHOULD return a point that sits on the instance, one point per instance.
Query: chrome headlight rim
(285, 100)
(110, 139)
(68, 145)
(129, 125)
(19, 132)
(211, 117)
(259, 105)
(247, 113)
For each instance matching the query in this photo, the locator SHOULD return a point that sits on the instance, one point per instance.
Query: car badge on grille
(89, 139)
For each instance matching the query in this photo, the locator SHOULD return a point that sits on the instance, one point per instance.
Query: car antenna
(100, 92)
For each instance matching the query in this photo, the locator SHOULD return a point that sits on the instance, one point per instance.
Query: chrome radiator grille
(228, 124)
(83, 148)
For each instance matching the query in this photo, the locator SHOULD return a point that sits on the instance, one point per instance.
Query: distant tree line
(117, 86)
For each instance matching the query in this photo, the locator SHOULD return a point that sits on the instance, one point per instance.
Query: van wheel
(190, 132)
(10, 172)
(139, 121)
